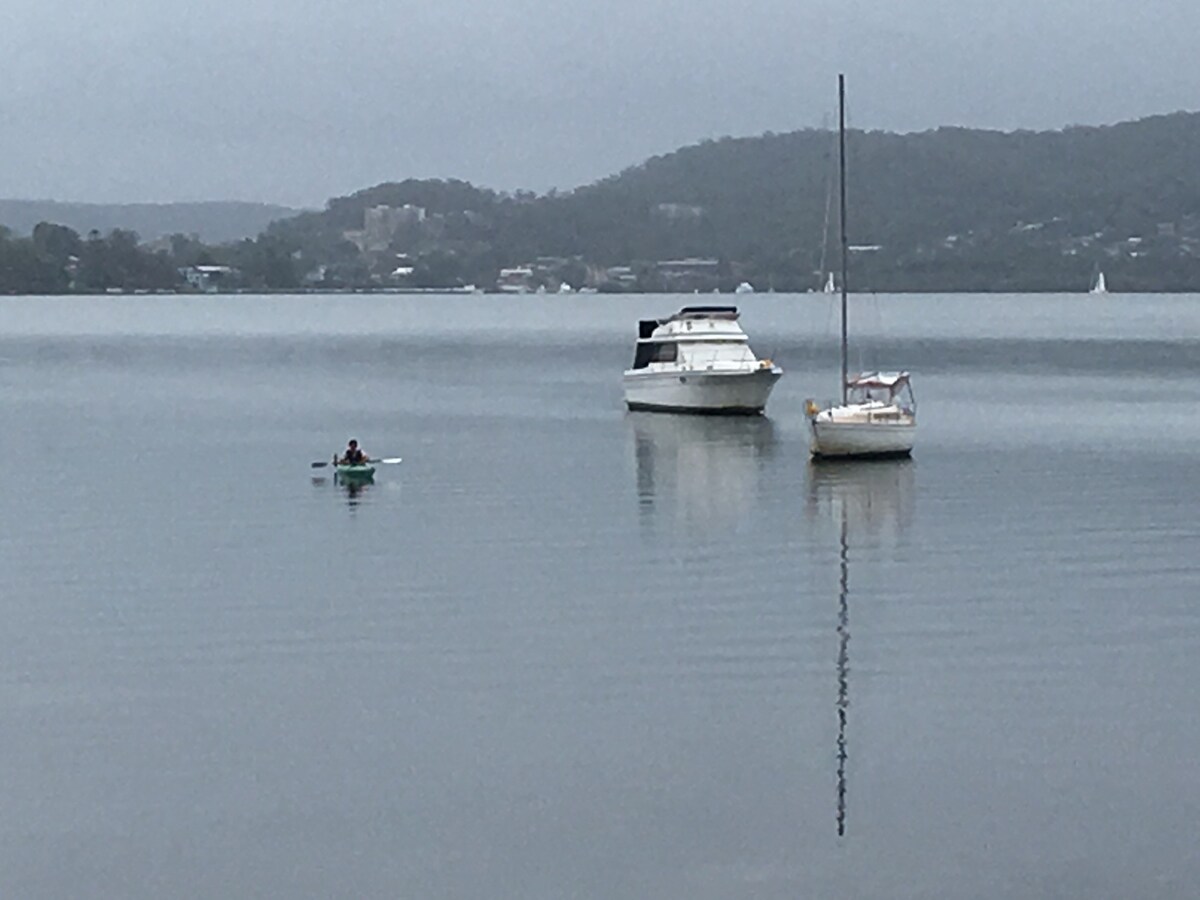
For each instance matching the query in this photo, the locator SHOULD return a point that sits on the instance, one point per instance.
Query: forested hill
(766, 195)
(214, 222)
(952, 209)
(949, 209)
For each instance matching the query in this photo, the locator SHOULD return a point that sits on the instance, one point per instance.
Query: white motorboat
(877, 415)
(698, 360)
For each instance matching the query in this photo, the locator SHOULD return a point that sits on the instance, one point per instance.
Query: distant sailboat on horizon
(1098, 286)
(830, 287)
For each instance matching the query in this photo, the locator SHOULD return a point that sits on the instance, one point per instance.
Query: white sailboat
(830, 287)
(1098, 286)
(877, 415)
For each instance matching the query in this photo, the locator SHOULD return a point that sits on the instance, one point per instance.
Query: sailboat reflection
(872, 500)
(704, 468)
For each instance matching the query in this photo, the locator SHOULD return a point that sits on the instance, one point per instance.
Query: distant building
(692, 265)
(622, 276)
(380, 224)
(515, 280)
(210, 278)
(594, 275)
(549, 264)
(678, 212)
(316, 276)
(690, 274)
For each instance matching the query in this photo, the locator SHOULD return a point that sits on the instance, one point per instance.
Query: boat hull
(713, 393)
(355, 473)
(862, 440)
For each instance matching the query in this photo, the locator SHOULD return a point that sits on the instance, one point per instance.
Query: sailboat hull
(861, 440)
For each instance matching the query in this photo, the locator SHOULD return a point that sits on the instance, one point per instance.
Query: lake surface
(567, 651)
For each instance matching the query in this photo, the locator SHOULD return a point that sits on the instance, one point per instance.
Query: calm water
(566, 651)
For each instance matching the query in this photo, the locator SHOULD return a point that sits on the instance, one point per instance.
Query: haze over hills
(951, 209)
(216, 222)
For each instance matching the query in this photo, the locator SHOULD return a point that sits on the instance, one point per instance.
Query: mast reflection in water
(873, 501)
(843, 677)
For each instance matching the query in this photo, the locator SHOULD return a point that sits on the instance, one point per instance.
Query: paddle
(389, 461)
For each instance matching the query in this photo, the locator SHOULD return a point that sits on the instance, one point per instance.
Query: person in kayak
(353, 456)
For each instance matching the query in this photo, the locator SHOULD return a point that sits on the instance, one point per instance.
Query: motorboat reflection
(703, 468)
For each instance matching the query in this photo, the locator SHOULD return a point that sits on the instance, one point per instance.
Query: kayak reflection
(353, 488)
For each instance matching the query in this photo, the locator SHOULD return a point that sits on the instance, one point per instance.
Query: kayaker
(353, 456)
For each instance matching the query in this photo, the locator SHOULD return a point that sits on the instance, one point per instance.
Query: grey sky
(294, 102)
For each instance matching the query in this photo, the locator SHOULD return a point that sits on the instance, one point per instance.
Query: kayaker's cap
(353, 443)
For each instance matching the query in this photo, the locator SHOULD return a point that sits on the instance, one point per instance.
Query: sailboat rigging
(828, 286)
(877, 414)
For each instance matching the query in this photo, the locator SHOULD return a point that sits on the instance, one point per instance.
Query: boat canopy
(868, 380)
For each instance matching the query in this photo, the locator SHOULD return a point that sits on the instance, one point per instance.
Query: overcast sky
(294, 102)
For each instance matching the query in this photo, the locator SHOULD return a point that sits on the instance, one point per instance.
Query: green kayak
(360, 472)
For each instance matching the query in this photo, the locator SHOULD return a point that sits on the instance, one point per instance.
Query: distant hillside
(949, 209)
(936, 200)
(952, 209)
(214, 222)
(768, 193)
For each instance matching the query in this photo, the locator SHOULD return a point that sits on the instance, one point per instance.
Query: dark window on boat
(655, 352)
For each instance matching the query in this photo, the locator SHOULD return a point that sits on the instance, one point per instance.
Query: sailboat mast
(842, 220)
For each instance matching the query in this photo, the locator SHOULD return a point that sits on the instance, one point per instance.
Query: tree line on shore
(945, 210)
(55, 259)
